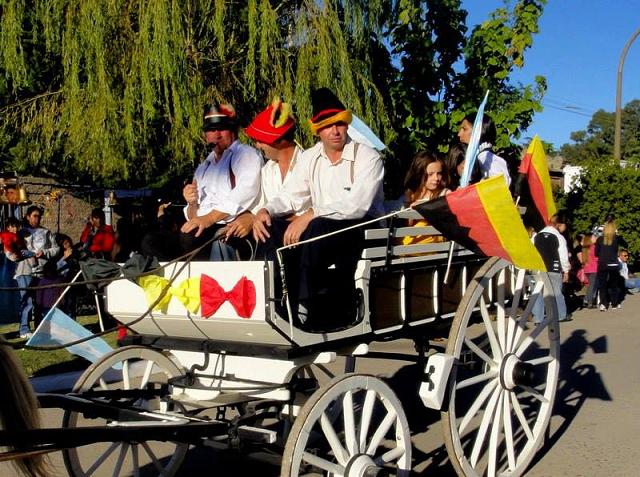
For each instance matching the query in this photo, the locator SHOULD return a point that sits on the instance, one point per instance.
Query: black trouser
(319, 275)
(608, 286)
(219, 250)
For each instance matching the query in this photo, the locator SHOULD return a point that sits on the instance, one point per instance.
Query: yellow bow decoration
(153, 286)
(188, 292)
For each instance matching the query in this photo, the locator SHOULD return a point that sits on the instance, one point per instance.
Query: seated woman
(426, 180)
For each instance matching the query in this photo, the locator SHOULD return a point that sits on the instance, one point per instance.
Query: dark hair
(560, 217)
(98, 213)
(488, 129)
(290, 135)
(60, 239)
(415, 175)
(32, 209)
(12, 222)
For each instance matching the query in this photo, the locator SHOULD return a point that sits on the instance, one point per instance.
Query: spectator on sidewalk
(627, 282)
(608, 267)
(590, 268)
(552, 246)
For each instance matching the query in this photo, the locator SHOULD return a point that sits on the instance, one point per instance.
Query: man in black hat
(226, 184)
(338, 182)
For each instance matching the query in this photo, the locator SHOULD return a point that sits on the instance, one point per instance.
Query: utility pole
(618, 126)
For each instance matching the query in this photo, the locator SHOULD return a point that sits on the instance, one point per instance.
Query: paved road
(595, 429)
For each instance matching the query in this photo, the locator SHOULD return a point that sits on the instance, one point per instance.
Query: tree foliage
(604, 189)
(596, 142)
(112, 91)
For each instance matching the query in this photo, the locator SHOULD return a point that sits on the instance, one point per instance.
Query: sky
(577, 49)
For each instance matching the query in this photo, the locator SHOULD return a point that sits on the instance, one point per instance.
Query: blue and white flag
(471, 156)
(360, 132)
(58, 328)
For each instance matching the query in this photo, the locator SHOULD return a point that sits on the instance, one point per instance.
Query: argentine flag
(59, 328)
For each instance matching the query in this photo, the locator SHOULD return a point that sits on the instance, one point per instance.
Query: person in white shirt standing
(337, 183)
(553, 248)
(226, 184)
(273, 131)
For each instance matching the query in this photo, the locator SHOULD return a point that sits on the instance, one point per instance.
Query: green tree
(604, 189)
(112, 91)
(596, 142)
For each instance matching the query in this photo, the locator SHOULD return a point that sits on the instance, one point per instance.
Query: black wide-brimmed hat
(327, 110)
(219, 117)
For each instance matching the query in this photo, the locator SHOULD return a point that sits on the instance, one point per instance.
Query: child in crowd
(426, 180)
(12, 243)
(590, 269)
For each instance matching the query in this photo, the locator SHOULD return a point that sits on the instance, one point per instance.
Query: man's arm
(199, 223)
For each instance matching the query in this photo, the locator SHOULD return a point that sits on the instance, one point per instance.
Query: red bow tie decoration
(242, 296)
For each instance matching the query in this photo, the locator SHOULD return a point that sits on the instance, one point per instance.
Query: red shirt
(102, 241)
(10, 242)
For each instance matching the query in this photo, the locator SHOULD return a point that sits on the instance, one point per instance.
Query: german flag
(535, 171)
(483, 218)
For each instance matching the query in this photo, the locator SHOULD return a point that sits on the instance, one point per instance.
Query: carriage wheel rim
(506, 439)
(133, 451)
(355, 437)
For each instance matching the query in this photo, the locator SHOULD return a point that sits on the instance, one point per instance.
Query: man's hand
(196, 223)
(565, 277)
(261, 222)
(190, 193)
(297, 227)
(240, 227)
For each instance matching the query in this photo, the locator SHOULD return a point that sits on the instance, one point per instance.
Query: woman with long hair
(608, 267)
(426, 180)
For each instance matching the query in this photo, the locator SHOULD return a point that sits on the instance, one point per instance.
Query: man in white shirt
(273, 131)
(226, 184)
(338, 183)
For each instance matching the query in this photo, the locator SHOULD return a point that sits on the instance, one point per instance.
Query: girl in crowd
(608, 267)
(490, 163)
(426, 180)
(97, 237)
(590, 268)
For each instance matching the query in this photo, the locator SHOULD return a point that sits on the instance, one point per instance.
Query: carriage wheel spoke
(102, 458)
(476, 379)
(389, 456)
(517, 294)
(541, 360)
(349, 424)
(365, 420)
(323, 464)
(484, 426)
(154, 458)
(125, 375)
(535, 393)
(136, 461)
(531, 337)
(500, 310)
(508, 431)
(118, 467)
(477, 404)
(333, 440)
(478, 351)
(493, 341)
(495, 436)
(147, 374)
(103, 385)
(520, 414)
(382, 430)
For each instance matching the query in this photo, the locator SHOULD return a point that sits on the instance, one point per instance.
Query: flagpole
(55, 304)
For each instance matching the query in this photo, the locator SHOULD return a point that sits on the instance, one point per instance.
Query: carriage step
(257, 434)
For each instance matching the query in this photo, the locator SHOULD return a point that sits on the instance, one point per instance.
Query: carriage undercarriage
(235, 382)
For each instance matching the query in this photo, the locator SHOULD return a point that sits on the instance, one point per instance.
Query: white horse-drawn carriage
(246, 375)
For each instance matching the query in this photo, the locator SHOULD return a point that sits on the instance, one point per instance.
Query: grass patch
(40, 363)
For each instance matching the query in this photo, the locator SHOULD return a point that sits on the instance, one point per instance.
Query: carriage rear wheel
(502, 388)
(353, 426)
(131, 367)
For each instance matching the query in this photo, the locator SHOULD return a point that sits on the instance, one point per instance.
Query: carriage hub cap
(362, 465)
(508, 371)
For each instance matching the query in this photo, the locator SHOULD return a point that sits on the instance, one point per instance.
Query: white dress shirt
(492, 165)
(271, 182)
(349, 189)
(214, 181)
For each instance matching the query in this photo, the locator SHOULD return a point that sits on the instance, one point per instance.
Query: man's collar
(348, 151)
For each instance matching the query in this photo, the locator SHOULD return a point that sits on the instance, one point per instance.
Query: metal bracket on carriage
(434, 383)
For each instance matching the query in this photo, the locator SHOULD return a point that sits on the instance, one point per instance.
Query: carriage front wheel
(353, 426)
(503, 383)
(128, 368)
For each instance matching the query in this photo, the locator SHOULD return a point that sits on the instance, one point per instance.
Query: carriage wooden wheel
(132, 367)
(502, 387)
(353, 426)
